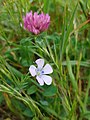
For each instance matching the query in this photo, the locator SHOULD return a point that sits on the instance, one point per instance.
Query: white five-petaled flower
(41, 72)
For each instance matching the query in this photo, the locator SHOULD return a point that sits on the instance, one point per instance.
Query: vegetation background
(65, 45)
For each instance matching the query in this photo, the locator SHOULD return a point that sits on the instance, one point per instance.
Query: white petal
(41, 82)
(32, 70)
(40, 63)
(47, 79)
(47, 69)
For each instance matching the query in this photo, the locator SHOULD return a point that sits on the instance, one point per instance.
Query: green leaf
(50, 91)
(35, 118)
(18, 105)
(28, 113)
(32, 90)
(44, 102)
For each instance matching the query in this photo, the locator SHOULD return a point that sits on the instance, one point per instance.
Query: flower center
(39, 72)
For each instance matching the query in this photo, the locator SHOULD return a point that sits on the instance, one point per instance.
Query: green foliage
(65, 45)
(51, 91)
(32, 90)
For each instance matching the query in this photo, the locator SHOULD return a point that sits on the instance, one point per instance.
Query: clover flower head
(41, 72)
(36, 23)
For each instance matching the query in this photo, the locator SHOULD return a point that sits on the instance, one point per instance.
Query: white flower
(40, 72)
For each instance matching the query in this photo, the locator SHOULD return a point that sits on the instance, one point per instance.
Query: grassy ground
(65, 45)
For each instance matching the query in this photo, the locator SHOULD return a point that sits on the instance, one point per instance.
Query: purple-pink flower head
(36, 23)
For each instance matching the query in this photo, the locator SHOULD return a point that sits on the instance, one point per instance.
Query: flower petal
(40, 63)
(32, 70)
(41, 82)
(47, 69)
(47, 79)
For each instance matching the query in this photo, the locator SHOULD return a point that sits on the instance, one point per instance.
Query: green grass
(65, 45)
